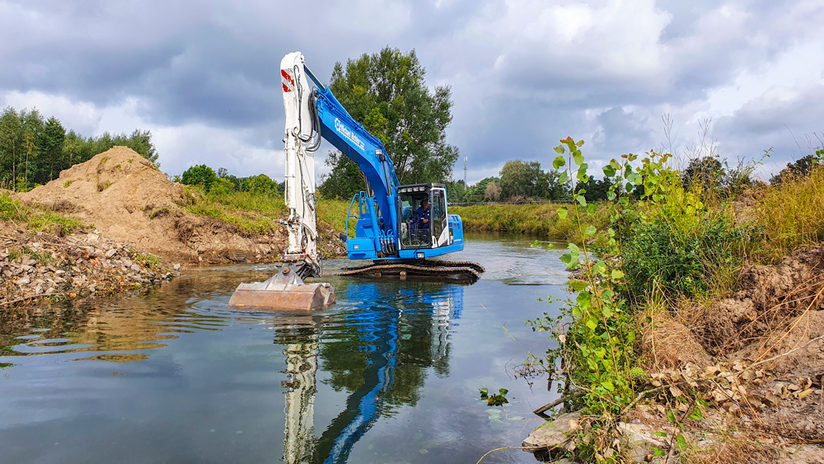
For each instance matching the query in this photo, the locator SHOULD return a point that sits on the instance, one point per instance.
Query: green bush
(199, 175)
(681, 261)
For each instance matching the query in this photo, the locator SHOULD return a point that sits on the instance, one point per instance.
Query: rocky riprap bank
(36, 267)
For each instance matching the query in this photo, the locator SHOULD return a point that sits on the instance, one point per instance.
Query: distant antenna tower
(465, 160)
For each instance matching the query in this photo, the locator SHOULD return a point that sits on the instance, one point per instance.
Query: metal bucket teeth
(285, 291)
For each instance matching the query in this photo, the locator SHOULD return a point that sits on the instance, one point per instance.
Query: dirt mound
(128, 199)
(769, 300)
(667, 343)
(775, 324)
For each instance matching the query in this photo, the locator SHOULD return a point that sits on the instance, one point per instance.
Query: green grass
(534, 219)
(251, 214)
(35, 218)
(333, 212)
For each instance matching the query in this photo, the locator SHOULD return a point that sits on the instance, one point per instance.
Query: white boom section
(300, 162)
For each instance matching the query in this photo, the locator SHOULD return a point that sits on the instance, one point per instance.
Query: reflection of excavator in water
(385, 355)
(394, 228)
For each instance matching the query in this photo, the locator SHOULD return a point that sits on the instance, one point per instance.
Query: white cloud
(83, 117)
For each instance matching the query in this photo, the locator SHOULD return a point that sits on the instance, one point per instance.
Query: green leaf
(696, 415)
(564, 177)
(606, 311)
(570, 144)
(579, 143)
(660, 434)
(584, 300)
(634, 177)
(484, 393)
(608, 385)
(670, 416)
(581, 199)
(681, 442)
(610, 195)
(558, 162)
(503, 391)
(578, 285)
(609, 171)
(617, 274)
(591, 208)
(559, 149)
(600, 268)
(578, 157)
(590, 230)
(591, 323)
(581, 174)
(562, 212)
(658, 452)
(607, 294)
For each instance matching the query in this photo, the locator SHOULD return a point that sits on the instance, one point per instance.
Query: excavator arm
(312, 113)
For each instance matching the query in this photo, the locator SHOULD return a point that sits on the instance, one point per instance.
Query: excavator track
(461, 271)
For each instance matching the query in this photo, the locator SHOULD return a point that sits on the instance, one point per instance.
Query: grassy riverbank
(707, 310)
(540, 219)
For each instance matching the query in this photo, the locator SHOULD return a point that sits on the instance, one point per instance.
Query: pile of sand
(126, 198)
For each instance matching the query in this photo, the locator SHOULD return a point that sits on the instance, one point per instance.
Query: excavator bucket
(284, 291)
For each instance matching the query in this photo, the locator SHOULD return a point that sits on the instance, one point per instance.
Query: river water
(390, 374)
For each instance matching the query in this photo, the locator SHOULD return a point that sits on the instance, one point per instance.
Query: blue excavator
(399, 227)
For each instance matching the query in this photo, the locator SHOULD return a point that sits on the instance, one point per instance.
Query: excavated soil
(769, 299)
(127, 199)
(772, 331)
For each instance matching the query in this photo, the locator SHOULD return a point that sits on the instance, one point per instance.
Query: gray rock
(555, 435)
(111, 253)
(640, 439)
(25, 280)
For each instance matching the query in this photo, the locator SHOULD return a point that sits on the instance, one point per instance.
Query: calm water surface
(390, 374)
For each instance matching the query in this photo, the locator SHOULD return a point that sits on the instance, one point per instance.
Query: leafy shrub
(199, 175)
(681, 261)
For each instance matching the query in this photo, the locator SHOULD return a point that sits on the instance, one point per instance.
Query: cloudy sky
(203, 75)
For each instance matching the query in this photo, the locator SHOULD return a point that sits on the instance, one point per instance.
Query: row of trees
(524, 180)
(33, 149)
(221, 182)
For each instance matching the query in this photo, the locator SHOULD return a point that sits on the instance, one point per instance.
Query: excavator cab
(424, 216)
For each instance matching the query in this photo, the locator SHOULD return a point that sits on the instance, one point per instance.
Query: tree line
(221, 182)
(34, 149)
(520, 181)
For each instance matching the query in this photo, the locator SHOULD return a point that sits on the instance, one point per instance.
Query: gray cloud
(524, 73)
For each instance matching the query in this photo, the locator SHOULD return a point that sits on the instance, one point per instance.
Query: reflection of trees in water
(377, 353)
(117, 324)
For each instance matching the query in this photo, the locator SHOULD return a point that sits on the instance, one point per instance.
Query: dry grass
(791, 215)
(665, 340)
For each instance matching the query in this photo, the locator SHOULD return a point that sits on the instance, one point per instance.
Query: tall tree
(11, 147)
(524, 179)
(387, 93)
(51, 147)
